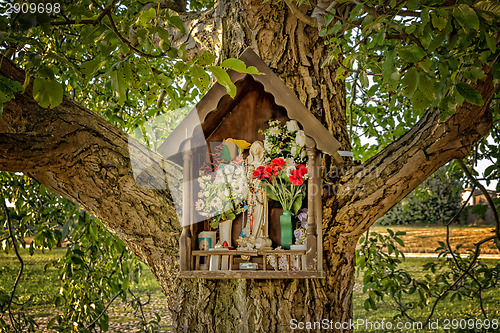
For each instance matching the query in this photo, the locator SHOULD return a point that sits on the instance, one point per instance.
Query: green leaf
(77, 260)
(427, 86)
(411, 53)
(491, 42)
(466, 16)
(474, 73)
(490, 7)
(239, 66)
(177, 22)
(206, 58)
(410, 82)
(163, 33)
(469, 93)
(489, 170)
(146, 15)
(270, 192)
(389, 71)
(495, 70)
(438, 21)
(224, 80)
(366, 305)
(399, 241)
(420, 101)
(88, 68)
(297, 204)
(199, 77)
(8, 88)
(119, 86)
(47, 92)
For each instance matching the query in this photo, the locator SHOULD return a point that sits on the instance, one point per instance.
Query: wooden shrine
(216, 117)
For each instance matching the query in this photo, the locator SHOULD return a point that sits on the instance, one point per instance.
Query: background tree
(424, 71)
(435, 201)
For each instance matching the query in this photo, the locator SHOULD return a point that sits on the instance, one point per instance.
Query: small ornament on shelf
(301, 230)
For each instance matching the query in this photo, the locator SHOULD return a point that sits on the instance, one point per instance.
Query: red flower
(295, 181)
(276, 169)
(278, 161)
(302, 171)
(259, 172)
(268, 170)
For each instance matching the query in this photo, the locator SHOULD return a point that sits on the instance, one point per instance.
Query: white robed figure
(257, 226)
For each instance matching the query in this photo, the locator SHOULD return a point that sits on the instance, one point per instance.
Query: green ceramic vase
(286, 229)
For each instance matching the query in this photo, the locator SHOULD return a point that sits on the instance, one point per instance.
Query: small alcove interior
(259, 99)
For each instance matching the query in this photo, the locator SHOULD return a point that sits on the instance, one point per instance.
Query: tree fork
(90, 165)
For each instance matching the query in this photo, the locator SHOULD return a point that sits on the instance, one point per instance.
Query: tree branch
(104, 310)
(393, 173)
(466, 271)
(486, 194)
(96, 21)
(76, 153)
(454, 256)
(301, 16)
(14, 244)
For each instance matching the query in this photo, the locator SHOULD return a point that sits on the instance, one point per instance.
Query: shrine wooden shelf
(264, 271)
(252, 274)
(259, 98)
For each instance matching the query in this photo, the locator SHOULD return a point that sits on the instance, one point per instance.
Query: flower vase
(286, 229)
(225, 232)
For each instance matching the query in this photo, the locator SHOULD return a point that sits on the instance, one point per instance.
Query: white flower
(199, 205)
(216, 203)
(289, 166)
(300, 138)
(292, 126)
(293, 150)
(274, 131)
(267, 145)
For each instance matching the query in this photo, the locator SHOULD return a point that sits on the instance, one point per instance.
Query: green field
(38, 288)
(464, 309)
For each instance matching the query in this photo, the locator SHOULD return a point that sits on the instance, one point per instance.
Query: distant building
(478, 198)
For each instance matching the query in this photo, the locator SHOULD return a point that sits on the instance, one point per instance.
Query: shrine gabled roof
(211, 108)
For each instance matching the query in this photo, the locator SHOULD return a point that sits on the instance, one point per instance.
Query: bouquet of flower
(222, 190)
(283, 182)
(286, 141)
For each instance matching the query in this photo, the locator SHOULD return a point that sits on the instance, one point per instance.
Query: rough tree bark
(81, 156)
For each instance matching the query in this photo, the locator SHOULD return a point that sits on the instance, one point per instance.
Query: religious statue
(256, 229)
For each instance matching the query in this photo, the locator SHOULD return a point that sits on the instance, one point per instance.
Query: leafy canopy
(400, 58)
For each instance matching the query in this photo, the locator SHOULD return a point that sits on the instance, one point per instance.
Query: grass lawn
(37, 289)
(464, 309)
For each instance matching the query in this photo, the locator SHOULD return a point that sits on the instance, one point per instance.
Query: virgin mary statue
(257, 222)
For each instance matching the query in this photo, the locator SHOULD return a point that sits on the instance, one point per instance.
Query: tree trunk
(82, 157)
(294, 52)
